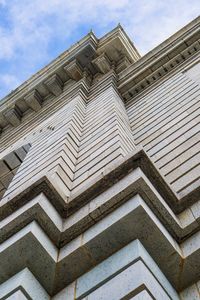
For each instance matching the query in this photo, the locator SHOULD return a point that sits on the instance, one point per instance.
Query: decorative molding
(135, 73)
(103, 63)
(54, 85)
(33, 100)
(143, 80)
(74, 70)
(123, 64)
(13, 116)
(102, 173)
(159, 62)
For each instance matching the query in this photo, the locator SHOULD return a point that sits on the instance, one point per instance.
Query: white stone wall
(102, 199)
(166, 123)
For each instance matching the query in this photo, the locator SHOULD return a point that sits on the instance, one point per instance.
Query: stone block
(12, 160)
(34, 100)
(74, 70)
(23, 285)
(102, 62)
(13, 116)
(4, 169)
(54, 84)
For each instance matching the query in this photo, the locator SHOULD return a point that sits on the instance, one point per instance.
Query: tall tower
(100, 174)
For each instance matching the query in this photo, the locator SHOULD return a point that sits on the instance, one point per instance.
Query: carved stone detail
(103, 63)
(122, 64)
(54, 84)
(13, 116)
(74, 70)
(33, 100)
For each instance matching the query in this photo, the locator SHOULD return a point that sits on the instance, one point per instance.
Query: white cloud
(160, 20)
(33, 27)
(10, 81)
(2, 2)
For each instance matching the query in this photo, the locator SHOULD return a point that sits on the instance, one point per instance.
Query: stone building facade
(100, 174)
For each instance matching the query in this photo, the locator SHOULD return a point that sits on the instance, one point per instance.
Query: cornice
(96, 58)
(51, 106)
(89, 39)
(128, 48)
(160, 61)
(89, 57)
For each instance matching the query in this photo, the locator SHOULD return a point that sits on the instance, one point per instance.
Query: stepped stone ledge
(100, 173)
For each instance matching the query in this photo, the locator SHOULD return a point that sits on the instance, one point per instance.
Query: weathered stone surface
(13, 116)
(103, 63)
(34, 100)
(54, 84)
(100, 184)
(22, 286)
(74, 70)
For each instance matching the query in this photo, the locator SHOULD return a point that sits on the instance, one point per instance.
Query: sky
(34, 32)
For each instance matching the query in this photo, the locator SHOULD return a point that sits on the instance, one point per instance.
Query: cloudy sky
(33, 32)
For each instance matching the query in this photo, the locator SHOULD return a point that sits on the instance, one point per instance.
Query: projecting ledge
(13, 116)
(66, 205)
(74, 70)
(54, 84)
(33, 100)
(132, 220)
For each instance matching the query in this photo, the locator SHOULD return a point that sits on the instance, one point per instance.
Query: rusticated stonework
(100, 174)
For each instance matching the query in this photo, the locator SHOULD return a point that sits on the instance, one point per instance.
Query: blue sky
(33, 32)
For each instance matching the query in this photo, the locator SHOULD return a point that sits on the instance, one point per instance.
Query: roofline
(126, 76)
(166, 45)
(90, 37)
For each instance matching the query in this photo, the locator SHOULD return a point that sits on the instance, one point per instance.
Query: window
(9, 165)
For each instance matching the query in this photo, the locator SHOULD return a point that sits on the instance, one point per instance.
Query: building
(100, 174)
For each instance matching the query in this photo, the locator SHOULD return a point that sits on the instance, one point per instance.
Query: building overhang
(66, 206)
(88, 57)
(92, 56)
(160, 61)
